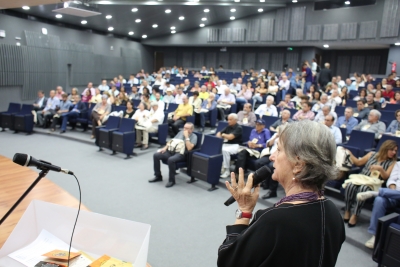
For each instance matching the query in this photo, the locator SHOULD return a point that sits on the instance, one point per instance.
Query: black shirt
(236, 130)
(303, 235)
(128, 114)
(374, 105)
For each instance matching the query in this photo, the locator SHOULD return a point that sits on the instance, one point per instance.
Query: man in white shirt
(284, 86)
(159, 80)
(329, 120)
(179, 95)
(335, 99)
(326, 110)
(204, 70)
(161, 103)
(103, 86)
(89, 87)
(167, 86)
(155, 117)
(234, 86)
(340, 82)
(133, 80)
(144, 85)
(187, 87)
(181, 74)
(322, 102)
(267, 109)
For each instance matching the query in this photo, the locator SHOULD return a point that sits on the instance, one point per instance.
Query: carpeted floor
(188, 223)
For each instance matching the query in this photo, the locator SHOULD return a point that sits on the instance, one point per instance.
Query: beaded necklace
(305, 196)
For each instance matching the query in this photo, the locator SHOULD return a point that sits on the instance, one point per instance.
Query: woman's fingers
(233, 180)
(249, 183)
(241, 178)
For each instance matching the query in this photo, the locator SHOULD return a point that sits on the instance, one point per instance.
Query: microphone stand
(42, 174)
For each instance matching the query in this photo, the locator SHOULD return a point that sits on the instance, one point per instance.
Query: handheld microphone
(26, 160)
(258, 177)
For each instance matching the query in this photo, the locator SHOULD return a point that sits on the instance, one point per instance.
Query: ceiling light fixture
(144, 36)
(203, 19)
(326, 46)
(138, 20)
(173, 28)
(59, 16)
(232, 18)
(262, 1)
(294, 1)
(44, 31)
(206, 10)
(168, 11)
(155, 25)
(134, 9)
(233, 10)
(110, 29)
(173, 32)
(397, 44)
(202, 25)
(108, 17)
(181, 18)
(105, 2)
(237, 1)
(347, 3)
(26, 8)
(130, 33)
(260, 10)
(84, 22)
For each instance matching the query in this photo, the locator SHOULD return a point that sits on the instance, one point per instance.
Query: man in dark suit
(39, 104)
(187, 86)
(78, 108)
(325, 76)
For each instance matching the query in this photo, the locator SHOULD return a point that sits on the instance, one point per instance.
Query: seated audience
(224, 103)
(304, 113)
(103, 86)
(134, 95)
(347, 121)
(273, 88)
(178, 119)
(169, 98)
(77, 108)
(261, 91)
(59, 92)
(141, 112)
(284, 85)
(179, 96)
(114, 91)
(285, 118)
(159, 80)
(195, 101)
(204, 94)
(286, 103)
(267, 109)
(172, 155)
(319, 105)
(329, 122)
(388, 93)
(196, 87)
(86, 97)
(232, 134)
(297, 98)
(74, 91)
(394, 126)
(377, 169)
(371, 104)
(97, 97)
(361, 111)
(207, 105)
(132, 80)
(244, 95)
(334, 99)
(246, 116)
(385, 200)
(49, 110)
(89, 88)
(186, 85)
(143, 86)
(148, 124)
(378, 98)
(121, 99)
(129, 111)
(40, 102)
(234, 86)
(146, 101)
(372, 124)
(257, 142)
(64, 106)
(326, 110)
(100, 114)
(396, 99)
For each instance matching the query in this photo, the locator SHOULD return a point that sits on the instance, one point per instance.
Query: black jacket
(325, 76)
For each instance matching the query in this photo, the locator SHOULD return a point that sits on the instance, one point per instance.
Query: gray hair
(376, 113)
(327, 65)
(191, 125)
(324, 95)
(233, 116)
(350, 108)
(312, 145)
(327, 106)
(154, 103)
(104, 96)
(270, 97)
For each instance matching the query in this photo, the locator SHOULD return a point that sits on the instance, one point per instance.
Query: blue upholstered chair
(123, 140)
(6, 119)
(387, 240)
(359, 142)
(104, 133)
(23, 120)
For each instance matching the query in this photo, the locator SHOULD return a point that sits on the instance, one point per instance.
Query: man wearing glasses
(329, 119)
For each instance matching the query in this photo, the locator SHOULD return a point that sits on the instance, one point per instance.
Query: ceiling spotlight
(262, 1)
(155, 25)
(105, 2)
(233, 10)
(181, 18)
(134, 9)
(26, 8)
(173, 32)
(294, 1)
(59, 16)
(206, 10)
(173, 28)
(326, 46)
(203, 19)
(44, 31)
(110, 29)
(138, 20)
(397, 44)
(202, 25)
(347, 3)
(260, 10)
(232, 18)
(108, 17)
(168, 11)
(131, 33)
(237, 1)
(144, 36)
(84, 22)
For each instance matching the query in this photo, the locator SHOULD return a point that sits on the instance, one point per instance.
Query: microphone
(26, 160)
(258, 177)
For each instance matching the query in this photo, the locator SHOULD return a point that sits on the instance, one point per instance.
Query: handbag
(343, 161)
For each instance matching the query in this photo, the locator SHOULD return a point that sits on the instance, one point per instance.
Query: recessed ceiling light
(347, 3)
(105, 2)
(26, 8)
(59, 16)
(397, 44)
(108, 17)
(138, 20)
(203, 19)
(44, 31)
(237, 1)
(134, 9)
(260, 10)
(18, 44)
(206, 10)
(233, 10)
(232, 18)
(84, 22)
(294, 1)
(181, 18)
(202, 25)
(130, 33)
(110, 29)
(168, 11)
(326, 45)
(262, 1)
(173, 31)
(144, 36)
(155, 25)
(173, 28)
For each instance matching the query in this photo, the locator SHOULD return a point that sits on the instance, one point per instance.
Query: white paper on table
(32, 253)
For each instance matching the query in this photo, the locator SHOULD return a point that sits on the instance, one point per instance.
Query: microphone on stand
(26, 160)
(258, 176)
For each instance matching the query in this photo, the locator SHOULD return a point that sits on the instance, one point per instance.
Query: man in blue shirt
(207, 105)
(307, 74)
(65, 104)
(78, 108)
(257, 142)
(347, 121)
(52, 103)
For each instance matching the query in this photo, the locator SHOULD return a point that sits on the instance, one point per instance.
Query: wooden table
(14, 180)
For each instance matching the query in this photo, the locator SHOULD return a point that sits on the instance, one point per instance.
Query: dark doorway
(158, 60)
(318, 58)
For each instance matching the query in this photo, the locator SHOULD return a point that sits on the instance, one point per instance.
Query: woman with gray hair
(302, 229)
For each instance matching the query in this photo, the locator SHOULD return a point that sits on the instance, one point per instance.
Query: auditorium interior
(203, 47)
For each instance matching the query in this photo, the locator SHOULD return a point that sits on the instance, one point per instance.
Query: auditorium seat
(84, 118)
(269, 120)
(384, 138)
(392, 107)
(161, 135)
(359, 142)
(23, 120)
(6, 119)
(118, 108)
(339, 111)
(387, 241)
(123, 140)
(351, 103)
(104, 133)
